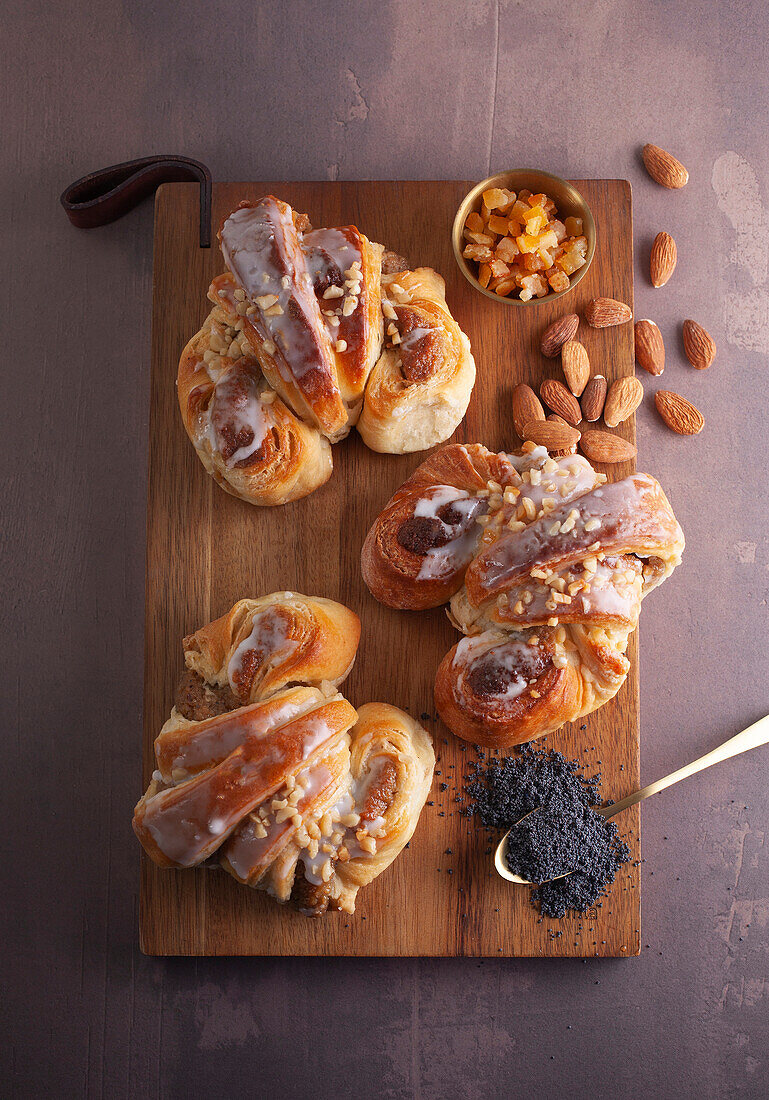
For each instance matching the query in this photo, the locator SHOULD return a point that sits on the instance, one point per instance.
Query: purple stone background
(351, 90)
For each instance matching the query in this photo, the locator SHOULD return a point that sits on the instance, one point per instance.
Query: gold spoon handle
(750, 738)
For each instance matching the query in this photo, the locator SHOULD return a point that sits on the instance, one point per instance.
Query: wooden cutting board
(206, 549)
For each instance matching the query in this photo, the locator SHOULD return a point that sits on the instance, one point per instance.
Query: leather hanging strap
(106, 195)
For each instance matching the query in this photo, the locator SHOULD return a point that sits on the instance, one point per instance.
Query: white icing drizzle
(236, 408)
(215, 739)
(442, 561)
(182, 826)
(510, 654)
(269, 637)
(410, 339)
(261, 246)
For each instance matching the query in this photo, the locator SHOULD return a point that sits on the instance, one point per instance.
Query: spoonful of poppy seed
(566, 835)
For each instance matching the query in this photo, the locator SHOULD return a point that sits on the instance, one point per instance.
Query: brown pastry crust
(287, 788)
(547, 595)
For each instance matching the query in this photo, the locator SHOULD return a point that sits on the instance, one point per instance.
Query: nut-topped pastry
(266, 770)
(545, 566)
(311, 333)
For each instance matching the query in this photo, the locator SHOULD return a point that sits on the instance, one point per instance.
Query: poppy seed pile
(565, 834)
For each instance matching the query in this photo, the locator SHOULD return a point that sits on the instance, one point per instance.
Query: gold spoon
(750, 738)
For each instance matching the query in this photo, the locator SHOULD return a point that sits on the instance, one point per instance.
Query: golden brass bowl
(567, 199)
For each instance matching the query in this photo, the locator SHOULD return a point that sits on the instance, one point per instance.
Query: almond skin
(678, 413)
(556, 419)
(622, 400)
(649, 347)
(576, 366)
(663, 167)
(593, 398)
(699, 345)
(526, 407)
(551, 434)
(605, 447)
(557, 397)
(606, 312)
(556, 335)
(663, 259)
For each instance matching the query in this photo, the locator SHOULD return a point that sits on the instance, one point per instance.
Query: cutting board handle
(104, 196)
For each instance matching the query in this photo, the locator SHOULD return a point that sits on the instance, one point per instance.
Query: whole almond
(551, 434)
(700, 347)
(593, 398)
(663, 167)
(606, 312)
(678, 413)
(556, 419)
(526, 407)
(576, 366)
(663, 259)
(622, 400)
(649, 347)
(557, 397)
(556, 335)
(606, 447)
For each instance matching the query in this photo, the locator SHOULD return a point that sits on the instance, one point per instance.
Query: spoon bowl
(750, 738)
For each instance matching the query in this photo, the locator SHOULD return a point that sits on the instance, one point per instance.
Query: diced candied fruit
(495, 197)
(537, 222)
(478, 238)
(511, 197)
(559, 229)
(505, 287)
(532, 261)
(547, 239)
(521, 245)
(558, 281)
(507, 250)
(570, 262)
(498, 225)
(527, 243)
(479, 252)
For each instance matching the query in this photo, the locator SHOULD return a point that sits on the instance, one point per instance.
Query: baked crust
(268, 770)
(547, 588)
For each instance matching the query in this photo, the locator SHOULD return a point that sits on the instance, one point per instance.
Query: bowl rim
(464, 209)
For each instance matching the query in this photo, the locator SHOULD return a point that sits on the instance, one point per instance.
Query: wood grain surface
(206, 549)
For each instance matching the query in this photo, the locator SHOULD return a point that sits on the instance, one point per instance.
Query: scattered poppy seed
(565, 837)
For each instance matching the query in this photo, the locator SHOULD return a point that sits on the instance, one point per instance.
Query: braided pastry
(294, 354)
(265, 769)
(545, 566)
